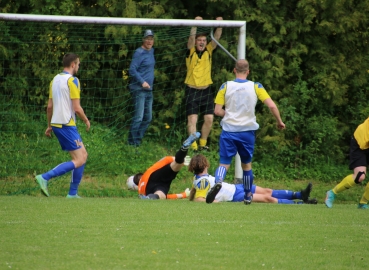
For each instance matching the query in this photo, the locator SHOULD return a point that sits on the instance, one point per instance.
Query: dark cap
(148, 32)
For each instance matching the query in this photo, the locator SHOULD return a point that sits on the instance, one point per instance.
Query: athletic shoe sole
(213, 193)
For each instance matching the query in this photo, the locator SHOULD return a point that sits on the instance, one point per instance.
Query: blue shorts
(239, 194)
(232, 142)
(68, 137)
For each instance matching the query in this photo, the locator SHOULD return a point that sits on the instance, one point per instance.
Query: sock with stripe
(248, 179)
(220, 174)
(59, 170)
(285, 201)
(286, 194)
(76, 179)
(181, 195)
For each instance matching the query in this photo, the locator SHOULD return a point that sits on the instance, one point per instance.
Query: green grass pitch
(116, 233)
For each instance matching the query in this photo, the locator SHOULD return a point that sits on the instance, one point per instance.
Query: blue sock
(285, 194)
(220, 174)
(284, 201)
(59, 170)
(76, 179)
(248, 179)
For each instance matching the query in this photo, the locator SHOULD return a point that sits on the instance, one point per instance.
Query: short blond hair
(242, 66)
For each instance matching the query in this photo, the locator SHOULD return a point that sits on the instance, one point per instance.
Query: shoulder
(74, 80)
(189, 52)
(139, 50)
(258, 85)
(223, 86)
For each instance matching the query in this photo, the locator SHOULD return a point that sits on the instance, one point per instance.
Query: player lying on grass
(132, 184)
(203, 182)
(155, 182)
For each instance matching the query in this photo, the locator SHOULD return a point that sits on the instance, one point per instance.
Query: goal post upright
(241, 54)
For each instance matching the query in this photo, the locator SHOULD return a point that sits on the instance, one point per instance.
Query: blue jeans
(142, 115)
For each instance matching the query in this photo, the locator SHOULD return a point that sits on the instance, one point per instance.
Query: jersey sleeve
(74, 88)
(210, 48)
(261, 92)
(202, 187)
(220, 98)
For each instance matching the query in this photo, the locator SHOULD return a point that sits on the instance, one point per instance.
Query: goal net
(31, 50)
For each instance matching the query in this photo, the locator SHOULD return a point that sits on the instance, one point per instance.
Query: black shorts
(358, 156)
(161, 180)
(199, 101)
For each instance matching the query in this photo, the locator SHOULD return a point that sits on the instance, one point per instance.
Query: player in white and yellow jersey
(359, 160)
(63, 105)
(203, 182)
(239, 98)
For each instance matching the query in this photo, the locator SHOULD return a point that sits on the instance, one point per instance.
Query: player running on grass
(359, 160)
(155, 182)
(62, 108)
(203, 182)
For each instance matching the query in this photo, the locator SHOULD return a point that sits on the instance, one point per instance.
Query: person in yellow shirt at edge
(199, 97)
(359, 160)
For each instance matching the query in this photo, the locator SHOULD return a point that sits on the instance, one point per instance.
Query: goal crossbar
(126, 21)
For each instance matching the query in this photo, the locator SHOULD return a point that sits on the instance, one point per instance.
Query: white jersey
(204, 183)
(240, 102)
(62, 104)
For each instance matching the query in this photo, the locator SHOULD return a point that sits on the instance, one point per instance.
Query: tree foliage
(310, 55)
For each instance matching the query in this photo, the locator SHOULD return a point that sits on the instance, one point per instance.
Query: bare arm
(274, 110)
(202, 199)
(199, 199)
(191, 38)
(80, 113)
(217, 34)
(49, 113)
(218, 110)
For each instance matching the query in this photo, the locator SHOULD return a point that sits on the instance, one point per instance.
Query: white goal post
(241, 48)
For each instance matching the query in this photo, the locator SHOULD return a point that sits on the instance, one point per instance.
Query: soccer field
(116, 233)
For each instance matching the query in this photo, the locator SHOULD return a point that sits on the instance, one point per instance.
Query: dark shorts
(358, 157)
(199, 101)
(161, 180)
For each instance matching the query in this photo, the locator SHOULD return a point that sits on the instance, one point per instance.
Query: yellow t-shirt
(199, 69)
(361, 135)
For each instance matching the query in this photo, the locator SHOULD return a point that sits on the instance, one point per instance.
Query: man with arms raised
(199, 97)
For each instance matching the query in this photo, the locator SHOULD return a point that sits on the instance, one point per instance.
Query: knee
(208, 119)
(268, 191)
(81, 159)
(359, 177)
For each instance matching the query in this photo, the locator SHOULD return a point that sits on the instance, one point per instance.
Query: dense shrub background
(311, 56)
